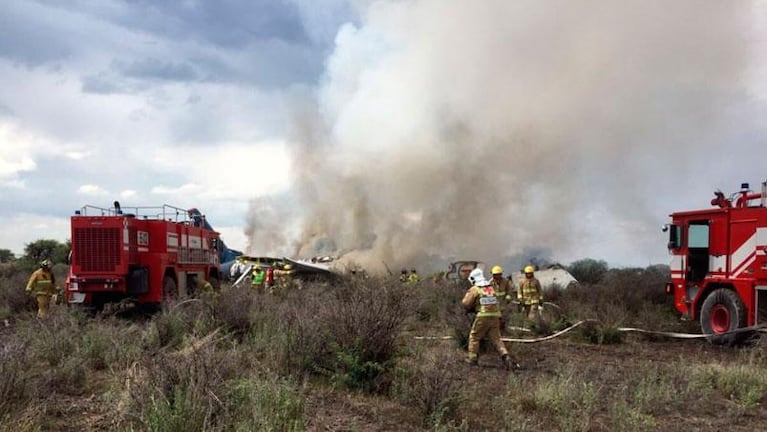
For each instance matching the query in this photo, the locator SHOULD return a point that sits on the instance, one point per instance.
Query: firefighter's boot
(472, 360)
(509, 363)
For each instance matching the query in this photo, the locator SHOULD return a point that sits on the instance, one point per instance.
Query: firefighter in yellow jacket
(530, 294)
(42, 284)
(502, 286)
(207, 291)
(481, 299)
(503, 289)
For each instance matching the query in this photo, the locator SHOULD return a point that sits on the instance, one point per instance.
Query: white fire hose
(761, 328)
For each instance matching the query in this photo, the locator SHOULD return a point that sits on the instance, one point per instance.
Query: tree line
(39, 250)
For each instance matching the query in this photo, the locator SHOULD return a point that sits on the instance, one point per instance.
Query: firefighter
(403, 276)
(481, 299)
(285, 279)
(270, 277)
(413, 277)
(502, 286)
(207, 292)
(42, 284)
(258, 278)
(503, 289)
(530, 294)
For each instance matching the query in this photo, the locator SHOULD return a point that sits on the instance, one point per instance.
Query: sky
(389, 133)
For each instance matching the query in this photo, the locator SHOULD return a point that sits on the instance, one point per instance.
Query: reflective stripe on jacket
(529, 291)
(41, 282)
(483, 300)
(502, 288)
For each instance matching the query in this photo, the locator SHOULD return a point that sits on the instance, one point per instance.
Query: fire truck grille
(98, 249)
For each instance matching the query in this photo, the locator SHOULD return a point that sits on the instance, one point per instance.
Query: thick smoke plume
(450, 129)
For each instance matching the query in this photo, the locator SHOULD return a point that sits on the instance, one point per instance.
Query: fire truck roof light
(77, 212)
(744, 186)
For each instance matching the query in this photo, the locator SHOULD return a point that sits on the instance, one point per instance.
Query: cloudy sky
(385, 131)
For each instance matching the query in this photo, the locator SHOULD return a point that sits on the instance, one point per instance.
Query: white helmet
(476, 277)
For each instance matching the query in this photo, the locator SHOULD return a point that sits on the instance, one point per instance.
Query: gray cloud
(151, 68)
(23, 39)
(261, 43)
(228, 23)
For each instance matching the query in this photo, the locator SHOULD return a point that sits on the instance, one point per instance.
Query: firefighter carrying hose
(42, 284)
(481, 299)
(530, 295)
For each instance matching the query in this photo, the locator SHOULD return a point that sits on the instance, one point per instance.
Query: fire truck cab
(719, 263)
(143, 255)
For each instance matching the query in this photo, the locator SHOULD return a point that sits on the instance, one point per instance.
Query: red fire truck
(144, 255)
(719, 263)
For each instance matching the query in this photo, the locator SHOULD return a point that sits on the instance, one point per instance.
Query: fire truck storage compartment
(138, 280)
(761, 305)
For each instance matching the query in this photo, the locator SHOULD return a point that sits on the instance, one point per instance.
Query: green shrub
(588, 271)
(744, 384)
(625, 417)
(423, 382)
(566, 402)
(436, 299)
(15, 388)
(236, 309)
(54, 339)
(349, 332)
(67, 377)
(14, 299)
(109, 344)
(264, 404)
(170, 329)
(176, 393)
(96, 346)
(597, 333)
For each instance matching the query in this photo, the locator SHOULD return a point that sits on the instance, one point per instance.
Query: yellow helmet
(497, 270)
(529, 269)
(45, 263)
(287, 267)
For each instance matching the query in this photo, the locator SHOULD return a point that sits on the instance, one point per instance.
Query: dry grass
(342, 357)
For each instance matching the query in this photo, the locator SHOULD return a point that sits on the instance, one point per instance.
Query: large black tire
(169, 291)
(722, 312)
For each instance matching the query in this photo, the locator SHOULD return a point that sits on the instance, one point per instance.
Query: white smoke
(481, 130)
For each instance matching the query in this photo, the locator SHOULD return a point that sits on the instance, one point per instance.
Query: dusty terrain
(347, 359)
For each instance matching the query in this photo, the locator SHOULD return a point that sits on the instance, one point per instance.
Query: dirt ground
(604, 365)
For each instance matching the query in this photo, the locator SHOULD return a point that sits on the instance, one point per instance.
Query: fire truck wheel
(722, 311)
(169, 290)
